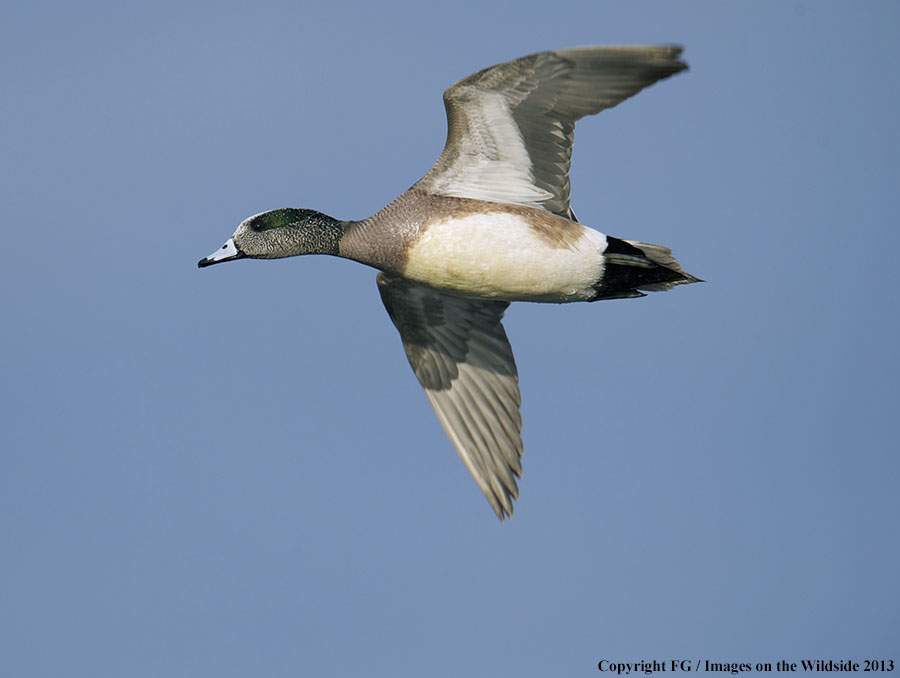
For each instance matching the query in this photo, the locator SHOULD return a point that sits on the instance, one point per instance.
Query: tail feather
(634, 267)
(662, 256)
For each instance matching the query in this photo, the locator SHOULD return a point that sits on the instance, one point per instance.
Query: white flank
(500, 255)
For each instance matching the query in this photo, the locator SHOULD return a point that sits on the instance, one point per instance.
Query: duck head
(280, 233)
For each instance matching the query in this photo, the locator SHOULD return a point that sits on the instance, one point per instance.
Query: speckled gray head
(280, 233)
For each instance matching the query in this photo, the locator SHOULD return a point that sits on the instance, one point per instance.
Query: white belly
(500, 255)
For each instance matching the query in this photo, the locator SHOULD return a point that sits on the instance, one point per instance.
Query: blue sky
(234, 472)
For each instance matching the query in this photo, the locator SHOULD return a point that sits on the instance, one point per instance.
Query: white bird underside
(501, 256)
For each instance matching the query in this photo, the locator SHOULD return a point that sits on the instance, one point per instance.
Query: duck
(489, 224)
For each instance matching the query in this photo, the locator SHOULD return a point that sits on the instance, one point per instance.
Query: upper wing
(461, 356)
(510, 127)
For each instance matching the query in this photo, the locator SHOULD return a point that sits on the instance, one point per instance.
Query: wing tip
(502, 496)
(664, 57)
(502, 511)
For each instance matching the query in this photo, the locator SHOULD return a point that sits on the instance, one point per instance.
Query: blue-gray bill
(226, 252)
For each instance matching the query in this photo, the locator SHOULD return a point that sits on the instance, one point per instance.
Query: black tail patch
(628, 270)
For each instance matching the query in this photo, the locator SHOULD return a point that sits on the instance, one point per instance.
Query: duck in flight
(490, 223)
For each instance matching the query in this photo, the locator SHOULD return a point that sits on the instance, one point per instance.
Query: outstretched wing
(460, 354)
(510, 127)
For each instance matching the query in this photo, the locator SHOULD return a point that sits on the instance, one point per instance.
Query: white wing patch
(510, 127)
(494, 165)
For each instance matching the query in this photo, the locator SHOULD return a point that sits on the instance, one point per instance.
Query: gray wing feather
(459, 352)
(510, 127)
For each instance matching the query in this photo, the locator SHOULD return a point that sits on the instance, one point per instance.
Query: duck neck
(321, 234)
